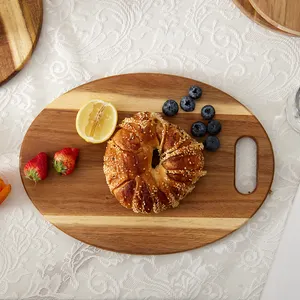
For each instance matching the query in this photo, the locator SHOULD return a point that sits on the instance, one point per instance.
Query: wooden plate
(283, 14)
(20, 26)
(246, 7)
(81, 204)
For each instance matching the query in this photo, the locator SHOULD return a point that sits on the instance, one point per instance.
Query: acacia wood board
(246, 7)
(20, 26)
(283, 14)
(82, 206)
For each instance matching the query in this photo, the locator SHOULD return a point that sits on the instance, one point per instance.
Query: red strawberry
(64, 160)
(37, 168)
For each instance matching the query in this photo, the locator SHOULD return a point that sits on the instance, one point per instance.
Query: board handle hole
(246, 165)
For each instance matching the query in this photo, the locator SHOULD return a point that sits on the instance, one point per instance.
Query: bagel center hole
(155, 158)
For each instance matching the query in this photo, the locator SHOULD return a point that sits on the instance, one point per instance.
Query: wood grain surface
(246, 7)
(81, 204)
(283, 14)
(20, 26)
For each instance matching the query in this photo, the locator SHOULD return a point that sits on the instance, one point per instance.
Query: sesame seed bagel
(128, 169)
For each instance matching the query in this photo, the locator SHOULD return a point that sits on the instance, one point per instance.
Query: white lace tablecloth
(208, 40)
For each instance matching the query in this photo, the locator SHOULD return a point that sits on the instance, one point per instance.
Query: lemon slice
(96, 121)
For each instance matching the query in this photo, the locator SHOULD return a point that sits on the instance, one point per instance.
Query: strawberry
(37, 168)
(64, 160)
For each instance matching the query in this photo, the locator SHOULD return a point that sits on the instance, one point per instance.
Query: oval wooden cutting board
(20, 26)
(246, 7)
(81, 204)
(283, 14)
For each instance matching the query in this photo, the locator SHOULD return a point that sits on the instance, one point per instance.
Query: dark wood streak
(124, 239)
(6, 61)
(32, 19)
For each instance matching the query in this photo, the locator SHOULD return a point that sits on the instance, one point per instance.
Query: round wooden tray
(282, 14)
(20, 26)
(81, 204)
(246, 7)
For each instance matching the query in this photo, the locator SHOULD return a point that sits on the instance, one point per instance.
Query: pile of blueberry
(199, 129)
(213, 127)
(187, 103)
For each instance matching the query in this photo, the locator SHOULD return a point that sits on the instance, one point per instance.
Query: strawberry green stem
(59, 167)
(33, 175)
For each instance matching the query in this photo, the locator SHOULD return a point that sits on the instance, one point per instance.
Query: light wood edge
(62, 228)
(271, 21)
(148, 221)
(16, 71)
(66, 100)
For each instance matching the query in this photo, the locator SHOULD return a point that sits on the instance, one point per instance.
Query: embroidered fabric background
(208, 40)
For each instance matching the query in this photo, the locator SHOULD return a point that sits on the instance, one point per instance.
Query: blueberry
(195, 92)
(187, 103)
(211, 143)
(214, 127)
(207, 112)
(198, 129)
(170, 108)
